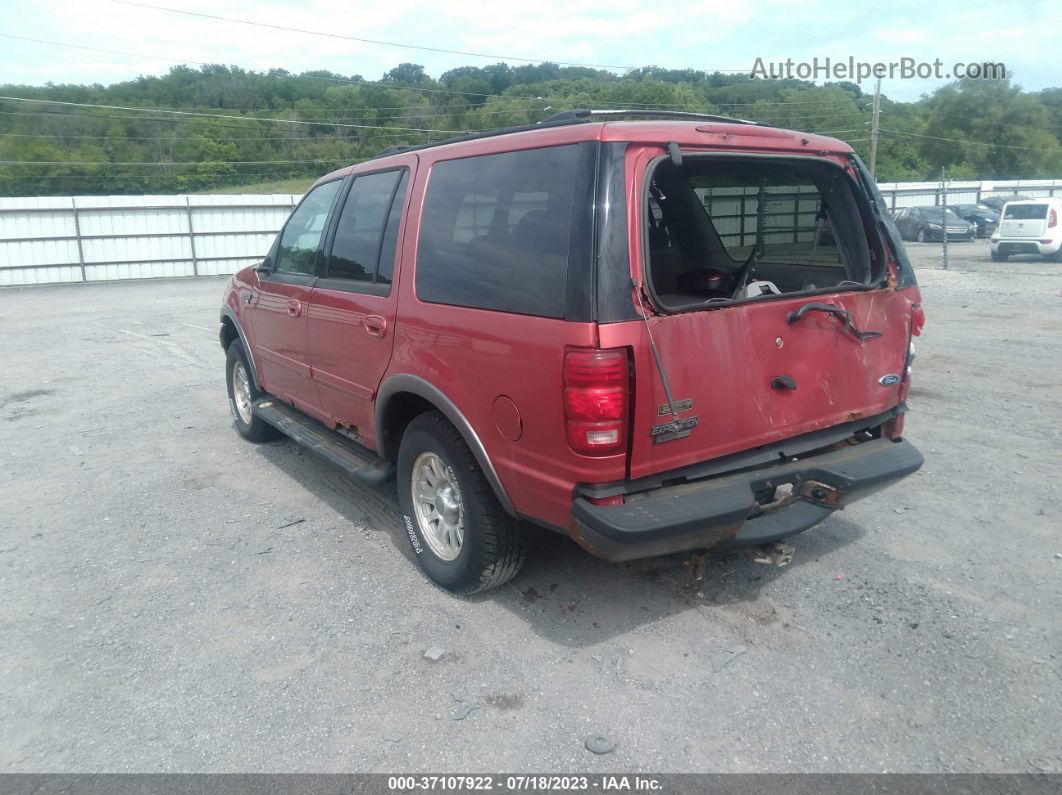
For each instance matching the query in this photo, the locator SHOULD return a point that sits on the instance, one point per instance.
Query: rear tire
(242, 395)
(997, 257)
(461, 537)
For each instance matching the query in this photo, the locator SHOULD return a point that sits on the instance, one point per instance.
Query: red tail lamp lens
(596, 393)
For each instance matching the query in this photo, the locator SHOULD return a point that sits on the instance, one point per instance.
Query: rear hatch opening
(726, 229)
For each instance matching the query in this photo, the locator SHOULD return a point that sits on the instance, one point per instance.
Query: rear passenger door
(351, 311)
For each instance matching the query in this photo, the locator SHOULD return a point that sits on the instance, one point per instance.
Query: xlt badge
(680, 405)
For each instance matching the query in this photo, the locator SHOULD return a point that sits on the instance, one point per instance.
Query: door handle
(375, 325)
(294, 308)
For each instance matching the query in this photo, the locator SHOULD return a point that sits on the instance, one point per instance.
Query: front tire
(461, 537)
(243, 394)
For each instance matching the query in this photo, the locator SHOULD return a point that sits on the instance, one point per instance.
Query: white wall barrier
(50, 239)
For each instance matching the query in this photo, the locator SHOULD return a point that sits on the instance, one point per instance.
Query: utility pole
(874, 126)
(944, 214)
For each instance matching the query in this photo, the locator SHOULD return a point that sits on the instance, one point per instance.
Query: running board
(359, 462)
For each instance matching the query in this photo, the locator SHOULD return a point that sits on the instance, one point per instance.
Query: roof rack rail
(580, 116)
(583, 114)
(472, 136)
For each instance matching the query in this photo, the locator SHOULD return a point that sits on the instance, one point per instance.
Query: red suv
(652, 334)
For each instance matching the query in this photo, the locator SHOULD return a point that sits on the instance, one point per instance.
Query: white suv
(1029, 227)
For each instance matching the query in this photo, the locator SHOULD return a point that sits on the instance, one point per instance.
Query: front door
(352, 306)
(279, 311)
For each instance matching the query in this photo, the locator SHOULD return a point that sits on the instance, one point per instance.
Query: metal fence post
(191, 235)
(796, 216)
(761, 217)
(944, 214)
(77, 234)
(741, 239)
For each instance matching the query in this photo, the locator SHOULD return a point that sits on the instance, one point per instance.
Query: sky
(704, 34)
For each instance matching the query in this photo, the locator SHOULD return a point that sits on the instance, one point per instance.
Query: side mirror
(265, 267)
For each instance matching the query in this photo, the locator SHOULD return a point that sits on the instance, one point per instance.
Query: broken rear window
(733, 228)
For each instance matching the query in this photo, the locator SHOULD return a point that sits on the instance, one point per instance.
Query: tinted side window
(297, 251)
(359, 232)
(495, 231)
(390, 241)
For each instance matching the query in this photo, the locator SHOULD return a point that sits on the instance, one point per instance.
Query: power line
(60, 116)
(158, 137)
(966, 141)
(782, 116)
(223, 115)
(366, 112)
(186, 115)
(386, 85)
(373, 41)
(163, 164)
(146, 177)
(136, 177)
(148, 110)
(262, 138)
(348, 81)
(442, 111)
(343, 80)
(784, 102)
(784, 107)
(194, 114)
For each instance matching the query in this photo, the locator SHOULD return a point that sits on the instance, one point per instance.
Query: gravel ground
(175, 599)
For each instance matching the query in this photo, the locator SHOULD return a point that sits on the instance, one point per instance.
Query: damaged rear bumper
(757, 506)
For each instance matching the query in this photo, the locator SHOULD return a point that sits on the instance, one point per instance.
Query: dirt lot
(174, 599)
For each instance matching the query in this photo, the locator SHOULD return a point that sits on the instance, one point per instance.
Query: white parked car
(1031, 226)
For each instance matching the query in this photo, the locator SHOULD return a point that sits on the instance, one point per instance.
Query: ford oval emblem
(889, 380)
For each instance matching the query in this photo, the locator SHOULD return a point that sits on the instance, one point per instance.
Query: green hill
(219, 128)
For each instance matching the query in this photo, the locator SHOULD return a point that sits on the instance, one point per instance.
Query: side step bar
(359, 462)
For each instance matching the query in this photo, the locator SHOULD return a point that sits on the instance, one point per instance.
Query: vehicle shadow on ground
(574, 599)
(563, 593)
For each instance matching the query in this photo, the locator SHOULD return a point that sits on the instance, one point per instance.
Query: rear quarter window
(495, 231)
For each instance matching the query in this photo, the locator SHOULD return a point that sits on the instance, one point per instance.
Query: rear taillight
(1052, 219)
(616, 499)
(596, 393)
(918, 319)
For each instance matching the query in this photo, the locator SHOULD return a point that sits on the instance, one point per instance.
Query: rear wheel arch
(403, 398)
(401, 409)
